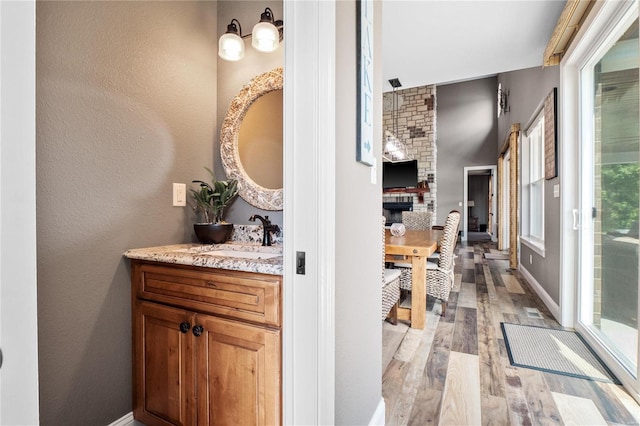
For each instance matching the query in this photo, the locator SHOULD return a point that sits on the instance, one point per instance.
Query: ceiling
(437, 42)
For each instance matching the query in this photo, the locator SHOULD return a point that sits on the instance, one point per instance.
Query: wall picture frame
(364, 102)
(551, 135)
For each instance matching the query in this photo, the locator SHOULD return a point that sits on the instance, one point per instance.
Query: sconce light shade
(231, 45)
(265, 35)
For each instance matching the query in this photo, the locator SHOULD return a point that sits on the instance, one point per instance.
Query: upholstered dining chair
(390, 286)
(440, 274)
(417, 220)
(435, 255)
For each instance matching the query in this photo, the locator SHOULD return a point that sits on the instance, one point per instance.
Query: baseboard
(541, 292)
(126, 420)
(378, 415)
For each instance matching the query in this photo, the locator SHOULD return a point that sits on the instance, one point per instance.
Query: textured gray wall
(527, 88)
(233, 75)
(467, 133)
(126, 105)
(358, 299)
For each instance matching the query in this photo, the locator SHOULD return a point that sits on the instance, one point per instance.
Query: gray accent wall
(467, 134)
(527, 89)
(126, 105)
(232, 76)
(358, 251)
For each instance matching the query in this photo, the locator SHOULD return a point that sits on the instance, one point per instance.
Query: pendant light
(394, 150)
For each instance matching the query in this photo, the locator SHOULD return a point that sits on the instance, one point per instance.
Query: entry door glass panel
(613, 202)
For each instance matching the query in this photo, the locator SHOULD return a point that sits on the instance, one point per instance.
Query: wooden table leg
(418, 292)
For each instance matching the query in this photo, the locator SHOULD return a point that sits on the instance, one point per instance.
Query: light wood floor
(456, 371)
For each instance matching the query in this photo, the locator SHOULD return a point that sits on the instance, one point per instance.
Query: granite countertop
(249, 257)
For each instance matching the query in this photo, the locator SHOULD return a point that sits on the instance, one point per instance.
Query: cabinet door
(238, 373)
(164, 357)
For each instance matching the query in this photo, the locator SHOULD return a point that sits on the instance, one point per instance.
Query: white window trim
(532, 241)
(534, 245)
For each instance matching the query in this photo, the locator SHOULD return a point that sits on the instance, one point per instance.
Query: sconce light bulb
(231, 47)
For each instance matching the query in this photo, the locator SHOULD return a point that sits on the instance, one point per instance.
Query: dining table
(416, 245)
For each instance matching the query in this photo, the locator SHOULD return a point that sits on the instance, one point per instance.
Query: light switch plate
(179, 194)
(556, 190)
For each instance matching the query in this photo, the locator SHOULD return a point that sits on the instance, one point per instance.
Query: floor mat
(496, 256)
(553, 351)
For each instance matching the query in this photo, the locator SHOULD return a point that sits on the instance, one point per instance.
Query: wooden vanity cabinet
(198, 368)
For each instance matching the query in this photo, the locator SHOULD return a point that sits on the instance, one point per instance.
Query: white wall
(18, 298)
(358, 362)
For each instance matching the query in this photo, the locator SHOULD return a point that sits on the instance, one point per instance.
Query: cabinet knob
(184, 327)
(197, 330)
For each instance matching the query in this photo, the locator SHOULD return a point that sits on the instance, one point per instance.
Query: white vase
(397, 229)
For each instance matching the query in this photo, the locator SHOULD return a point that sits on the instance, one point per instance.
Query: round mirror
(251, 141)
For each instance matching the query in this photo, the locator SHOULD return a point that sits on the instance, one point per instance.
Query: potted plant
(211, 200)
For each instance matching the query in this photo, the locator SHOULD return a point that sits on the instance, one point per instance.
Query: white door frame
(465, 212)
(506, 200)
(18, 285)
(309, 212)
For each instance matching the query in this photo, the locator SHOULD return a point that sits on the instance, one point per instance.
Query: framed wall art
(364, 45)
(551, 135)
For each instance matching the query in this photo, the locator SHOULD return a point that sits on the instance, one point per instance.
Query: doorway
(610, 190)
(479, 203)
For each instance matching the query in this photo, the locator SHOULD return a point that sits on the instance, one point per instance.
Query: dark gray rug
(553, 351)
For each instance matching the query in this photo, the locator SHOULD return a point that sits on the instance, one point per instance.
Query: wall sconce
(266, 37)
(503, 100)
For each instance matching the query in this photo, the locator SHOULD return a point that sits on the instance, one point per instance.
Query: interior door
(609, 199)
(490, 203)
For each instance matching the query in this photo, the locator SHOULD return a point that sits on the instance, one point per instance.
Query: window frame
(533, 177)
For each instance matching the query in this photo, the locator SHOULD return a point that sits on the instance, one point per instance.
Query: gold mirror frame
(249, 190)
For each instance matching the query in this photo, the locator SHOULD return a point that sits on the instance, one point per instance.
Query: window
(533, 184)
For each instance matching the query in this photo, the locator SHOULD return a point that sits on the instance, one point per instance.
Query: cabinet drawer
(241, 295)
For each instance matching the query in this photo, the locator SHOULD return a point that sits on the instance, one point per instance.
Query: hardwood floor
(456, 371)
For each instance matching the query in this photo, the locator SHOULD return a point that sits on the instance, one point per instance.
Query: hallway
(456, 370)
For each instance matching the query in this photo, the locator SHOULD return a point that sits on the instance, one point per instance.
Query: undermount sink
(241, 254)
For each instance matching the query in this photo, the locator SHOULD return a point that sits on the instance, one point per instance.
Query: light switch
(179, 194)
(556, 190)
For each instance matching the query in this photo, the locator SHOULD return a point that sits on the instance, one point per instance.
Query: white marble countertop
(220, 256)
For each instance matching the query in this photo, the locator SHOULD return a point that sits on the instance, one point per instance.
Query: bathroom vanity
(207, 334)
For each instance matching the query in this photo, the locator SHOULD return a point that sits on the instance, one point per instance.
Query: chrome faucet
(267, 228)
